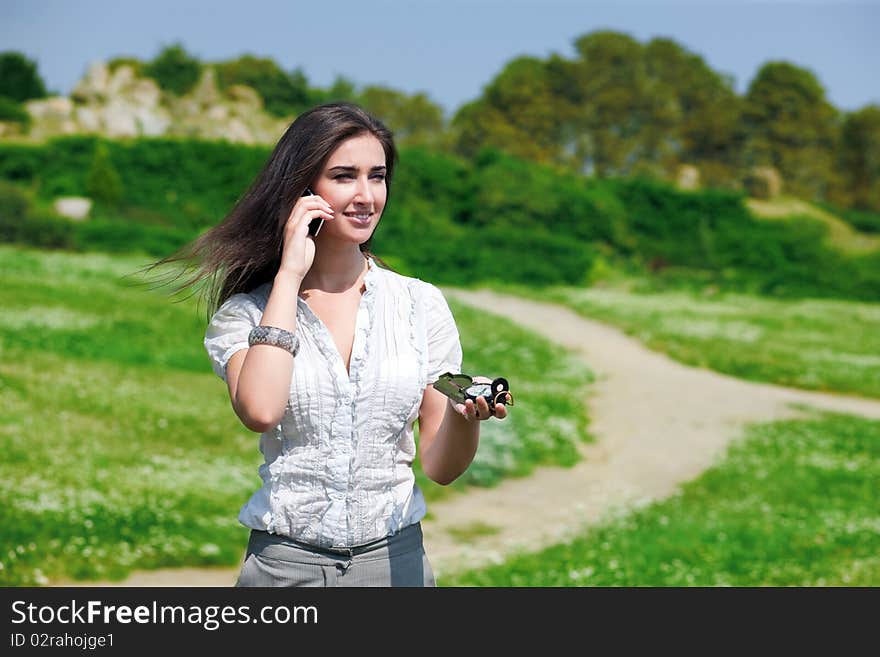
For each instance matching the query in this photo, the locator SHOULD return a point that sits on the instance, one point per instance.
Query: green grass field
(793, 504)
(120, 448)
(813, 344)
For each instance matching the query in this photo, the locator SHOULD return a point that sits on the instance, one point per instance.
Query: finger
(300, 224)
(317, 207)
(500, 411)
(483, 406)
(308, 204)
(316, 202)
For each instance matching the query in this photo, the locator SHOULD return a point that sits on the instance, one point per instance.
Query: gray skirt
(397, 560)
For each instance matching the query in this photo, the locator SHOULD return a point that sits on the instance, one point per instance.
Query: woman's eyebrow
(380, 167)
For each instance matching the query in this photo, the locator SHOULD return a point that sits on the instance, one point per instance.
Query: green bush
(21, 162)
(103, 183)
(13, 112)
(521, 196)
(437, 180)
(711, 232)
(174, 69)
(22, 223)
(14, 208)
(458, 222)
(116, 237)
(679, 227)
(538, 258)
(65, 167)
(192, 184)
(47, 230)
(446, 253)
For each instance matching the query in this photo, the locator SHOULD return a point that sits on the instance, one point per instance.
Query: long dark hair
(244, 249)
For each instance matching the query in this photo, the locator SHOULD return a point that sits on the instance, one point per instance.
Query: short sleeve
(444, 343)
(229, 328)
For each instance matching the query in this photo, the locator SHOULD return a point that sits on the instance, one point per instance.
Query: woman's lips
(362, 218)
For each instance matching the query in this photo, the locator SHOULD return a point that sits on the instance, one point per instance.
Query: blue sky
(447, 49)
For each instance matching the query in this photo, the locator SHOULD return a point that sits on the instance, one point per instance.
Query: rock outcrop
(118, 103)
(763, 182)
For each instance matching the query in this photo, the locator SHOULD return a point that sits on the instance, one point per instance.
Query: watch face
(480, 390)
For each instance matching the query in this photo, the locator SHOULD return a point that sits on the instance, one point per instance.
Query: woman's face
(353, 182)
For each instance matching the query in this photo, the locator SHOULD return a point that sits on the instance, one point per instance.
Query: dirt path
(658, 423)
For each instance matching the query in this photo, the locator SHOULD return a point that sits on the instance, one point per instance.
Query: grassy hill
(841, 233)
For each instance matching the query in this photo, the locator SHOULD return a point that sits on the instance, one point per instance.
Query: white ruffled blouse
(338, 467)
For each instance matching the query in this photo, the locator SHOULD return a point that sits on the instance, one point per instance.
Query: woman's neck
(335, 270)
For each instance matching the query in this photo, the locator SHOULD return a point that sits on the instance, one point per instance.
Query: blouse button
(346, 400)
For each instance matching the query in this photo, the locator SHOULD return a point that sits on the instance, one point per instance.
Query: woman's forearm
(264, 381)
(452, 449)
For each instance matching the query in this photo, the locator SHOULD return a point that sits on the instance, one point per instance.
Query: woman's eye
(342, 176)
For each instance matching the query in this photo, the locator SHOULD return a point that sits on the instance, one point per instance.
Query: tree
(516, 113)
(789, 124)
(414, 119)
(696, 112)
(342, 90)
(19, 79)
(283, 94)
(610, 94)
(858, 159)
(175, 69)
(618, 108)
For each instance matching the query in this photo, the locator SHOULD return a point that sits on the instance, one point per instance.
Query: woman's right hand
(298, 251)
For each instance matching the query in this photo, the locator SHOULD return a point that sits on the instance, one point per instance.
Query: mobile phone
(314, 224)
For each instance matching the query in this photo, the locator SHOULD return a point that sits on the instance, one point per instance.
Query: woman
(331, 358)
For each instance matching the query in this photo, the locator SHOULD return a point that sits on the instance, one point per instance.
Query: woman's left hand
(479, 410)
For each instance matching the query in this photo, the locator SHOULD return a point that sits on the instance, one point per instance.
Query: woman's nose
(363, 193)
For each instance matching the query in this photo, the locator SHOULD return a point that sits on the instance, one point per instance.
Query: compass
(461, 387)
